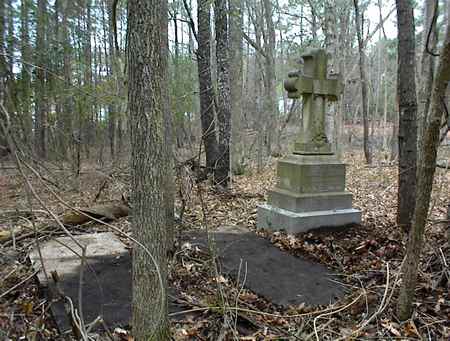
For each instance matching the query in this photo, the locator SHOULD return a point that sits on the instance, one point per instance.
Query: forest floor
(368, 257)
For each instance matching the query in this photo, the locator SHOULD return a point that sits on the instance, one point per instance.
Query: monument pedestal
(311, 183)
(310, 194)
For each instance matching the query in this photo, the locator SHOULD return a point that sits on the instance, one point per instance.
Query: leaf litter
(368, 258)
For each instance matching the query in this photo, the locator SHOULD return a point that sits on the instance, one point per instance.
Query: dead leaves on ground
(360, 254)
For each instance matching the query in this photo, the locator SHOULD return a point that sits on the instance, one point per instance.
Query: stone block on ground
(275, 218)
(311, 173)
(107, 277)
(307, 202)
(281, 278)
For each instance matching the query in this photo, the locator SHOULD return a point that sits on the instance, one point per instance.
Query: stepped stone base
(274, 218)
(310, 193)
(306, 202)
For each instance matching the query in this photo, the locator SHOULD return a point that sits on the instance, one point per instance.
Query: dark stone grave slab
(107, 278)
(272, 273)
(276, 275)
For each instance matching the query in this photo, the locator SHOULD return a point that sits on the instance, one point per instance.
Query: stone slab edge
(274, 219)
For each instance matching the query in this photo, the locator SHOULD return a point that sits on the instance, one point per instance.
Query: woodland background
(71, 138)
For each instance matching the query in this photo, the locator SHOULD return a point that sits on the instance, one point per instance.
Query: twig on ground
(19, 284)
(332, 313)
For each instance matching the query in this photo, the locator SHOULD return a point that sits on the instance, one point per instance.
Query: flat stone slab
(274, 218)
(276, 275)
(272, 273)
(107, 277)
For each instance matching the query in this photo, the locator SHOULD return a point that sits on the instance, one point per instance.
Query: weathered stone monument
(310, 192)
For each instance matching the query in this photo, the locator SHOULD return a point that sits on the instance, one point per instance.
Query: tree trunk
(25, 73)
(146, 53)
(222, 171)
(407, 131)
(236, 81)
(40, 103)
(362, 70)
(169, 185)
(90, 123)
(109, 50)
(426, 170)
(270, 96)
(11, 103)
(66, 120)
(3, 65)
(426, 67)
(205, 84)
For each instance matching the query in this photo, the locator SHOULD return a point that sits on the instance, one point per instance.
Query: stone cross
(313, 85)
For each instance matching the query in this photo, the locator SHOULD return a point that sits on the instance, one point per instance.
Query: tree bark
(109, 60)
(146, 54)
(426, 170)
(90, 122)
(427, 66)
(407, 132)
(236, 81)
(40, 102)
(270, 96)
(65, 120)
(362, 70)
(25, 73)
(3, 63)
(169, 186)
(206, 95)
(222, 171)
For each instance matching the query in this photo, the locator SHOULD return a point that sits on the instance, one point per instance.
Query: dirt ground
(368, 257)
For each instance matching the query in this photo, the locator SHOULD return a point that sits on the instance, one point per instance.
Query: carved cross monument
(310, 192)
(313, 85)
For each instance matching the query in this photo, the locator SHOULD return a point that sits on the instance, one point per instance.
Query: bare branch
(191, 21)
(253, 44)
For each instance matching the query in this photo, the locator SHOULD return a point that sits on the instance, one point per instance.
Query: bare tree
(426, 170)
(407, 102)
(222, 171)
(25, 74)
(270, 96)
(236, 81)
(427, 64)
(147, 80)
(205, 84)
(359, 22)
(41, 107)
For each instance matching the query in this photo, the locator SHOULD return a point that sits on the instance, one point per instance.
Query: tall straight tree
(25, 74)
(270, 96)
(3, 62)
(427, 64)
(40, 102)
(222, 171)
(205, 84)
(236, 27)
(67, 101)
(426, 170)
(359, 21)
(147, 86)
(87, 50)
(407, 131)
